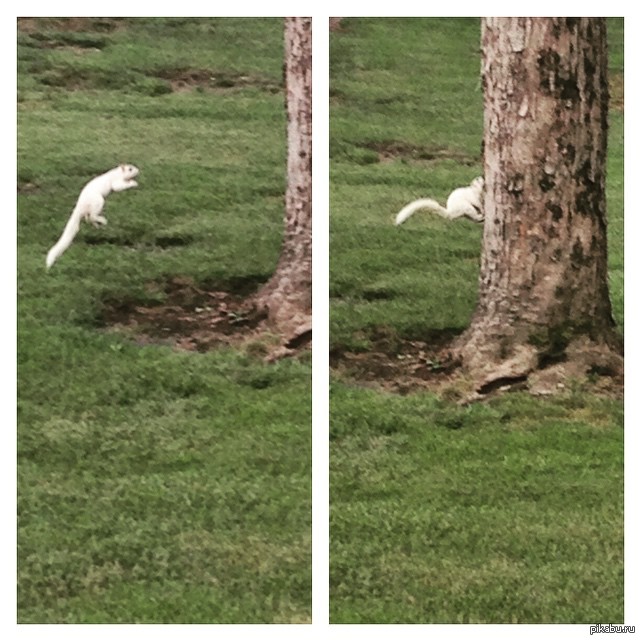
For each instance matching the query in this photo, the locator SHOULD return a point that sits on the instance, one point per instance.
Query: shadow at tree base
(200, 317)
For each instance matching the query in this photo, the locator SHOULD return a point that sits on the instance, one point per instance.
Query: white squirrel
(90, 204)
(465, 201)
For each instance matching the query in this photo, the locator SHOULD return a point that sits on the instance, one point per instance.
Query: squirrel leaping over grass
(90, 204)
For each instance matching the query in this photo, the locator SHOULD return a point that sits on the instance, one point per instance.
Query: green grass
(505, 511)
(154, 485)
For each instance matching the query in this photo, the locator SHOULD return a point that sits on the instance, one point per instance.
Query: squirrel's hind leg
(94, 215)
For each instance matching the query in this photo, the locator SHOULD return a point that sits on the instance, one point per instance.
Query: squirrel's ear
(122, 167)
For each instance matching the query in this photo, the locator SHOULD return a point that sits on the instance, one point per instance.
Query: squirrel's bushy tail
(416, 205)
(69, 233)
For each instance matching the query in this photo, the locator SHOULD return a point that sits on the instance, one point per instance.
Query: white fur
(465, 201)
(90, 204)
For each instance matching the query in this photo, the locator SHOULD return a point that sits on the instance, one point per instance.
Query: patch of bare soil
(393, 149)
(195, 318)
(401, 365)
(190, 79)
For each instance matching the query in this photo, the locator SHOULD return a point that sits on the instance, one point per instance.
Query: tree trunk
(543, 294)
(286, 297)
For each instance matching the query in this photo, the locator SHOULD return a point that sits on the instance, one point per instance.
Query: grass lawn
(505, 511)
(155, 485)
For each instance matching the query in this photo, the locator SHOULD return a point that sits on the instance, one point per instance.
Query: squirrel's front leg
(121, 185)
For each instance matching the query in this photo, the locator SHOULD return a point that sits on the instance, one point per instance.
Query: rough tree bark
(544, 297)
(286, 297)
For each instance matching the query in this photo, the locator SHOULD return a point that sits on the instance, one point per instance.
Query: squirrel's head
(129, 171)
(478, 184)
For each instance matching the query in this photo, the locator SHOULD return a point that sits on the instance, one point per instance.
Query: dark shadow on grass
(163, 242)
(36, 26)
(110, 240)
(396, 149)
(67, 40)
(188, 79)
(378, 294)
(166, 242)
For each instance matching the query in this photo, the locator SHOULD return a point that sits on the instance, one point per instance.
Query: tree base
(533, 367)
(287, 315)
